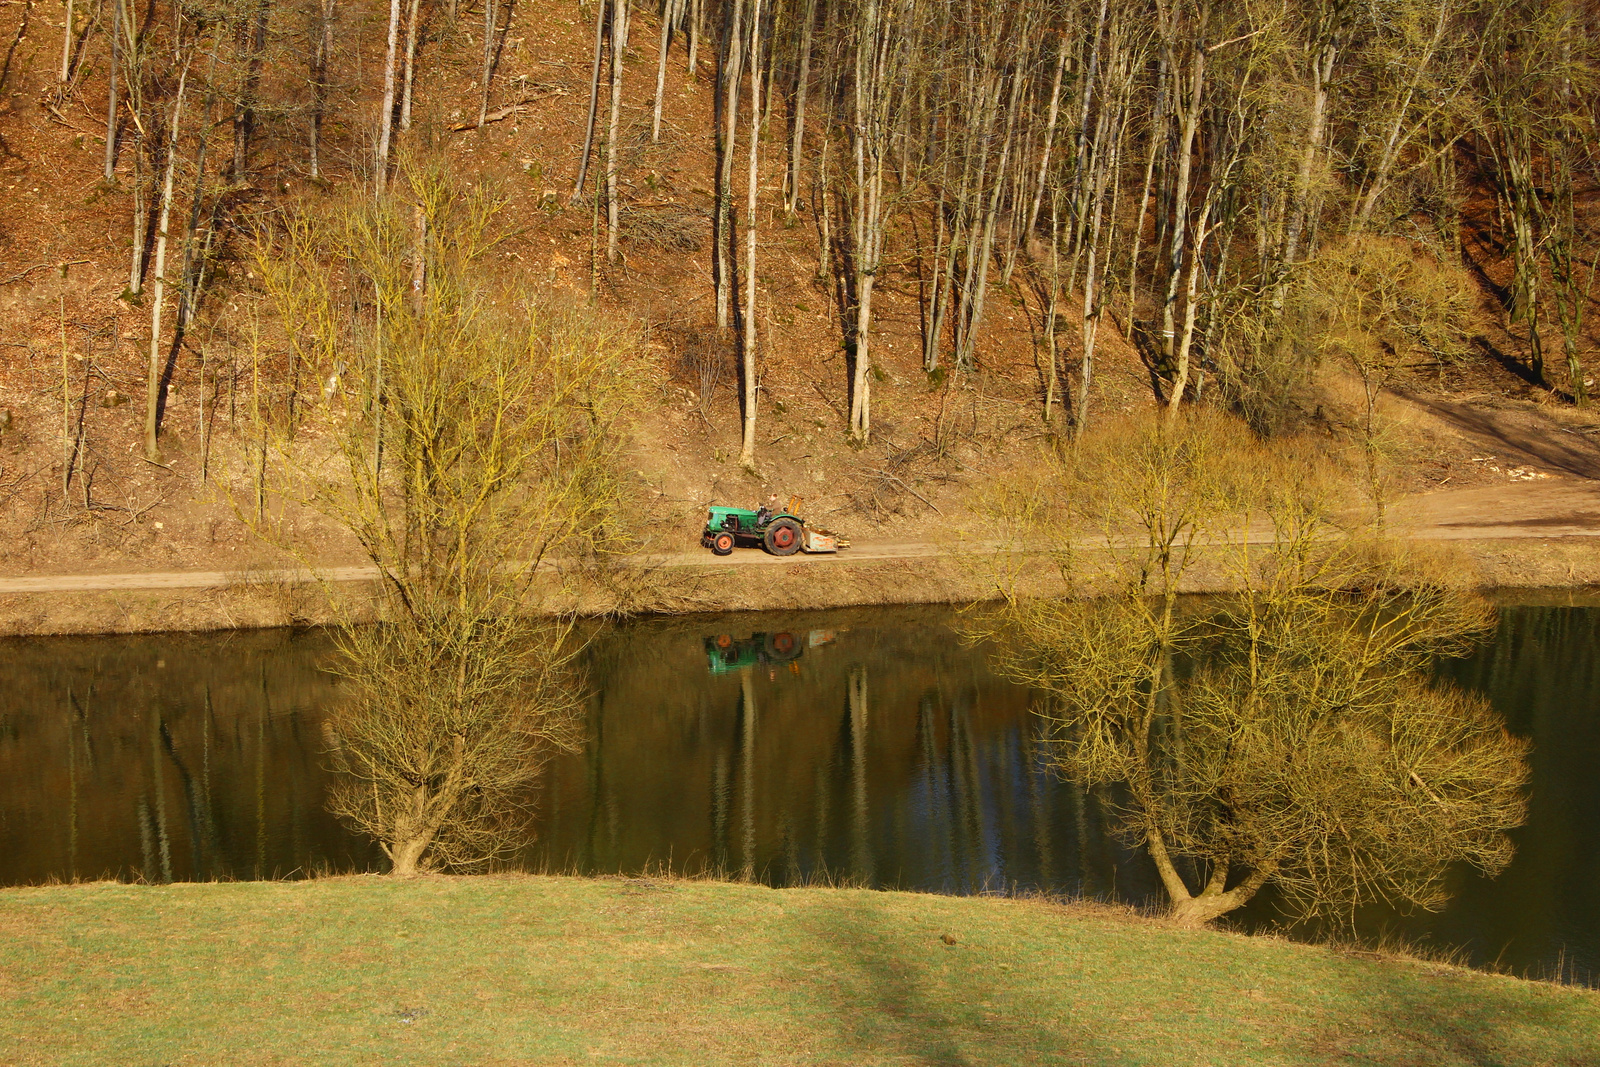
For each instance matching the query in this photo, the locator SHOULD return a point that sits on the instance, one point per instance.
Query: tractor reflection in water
(725, 655)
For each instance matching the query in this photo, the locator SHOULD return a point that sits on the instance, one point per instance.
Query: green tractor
(782, 533)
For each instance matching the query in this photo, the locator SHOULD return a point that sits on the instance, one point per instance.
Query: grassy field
(502, 970)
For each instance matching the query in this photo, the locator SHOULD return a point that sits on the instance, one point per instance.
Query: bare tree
(1307, 747)
(502, 420)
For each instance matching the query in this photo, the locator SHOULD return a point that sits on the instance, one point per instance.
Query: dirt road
(1544, 509)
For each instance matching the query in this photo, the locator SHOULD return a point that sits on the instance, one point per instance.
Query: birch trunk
(66, 45)
(665, 42)
(1321, 75)
(140, 212)
(111, 91)
(801, 86)
(619, 34)
(594, 99)
(319, 79)
(408, 76)
(386, 116)
(693, 29)
(488, 57)
(1181, 190)
(153, 383)
(724, 252)
(747, 451)
(1049, 140)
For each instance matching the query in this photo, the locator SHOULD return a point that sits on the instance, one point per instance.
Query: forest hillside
(880, 254)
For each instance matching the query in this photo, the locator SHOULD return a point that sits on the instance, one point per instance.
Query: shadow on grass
(902, 995)
(1408, 1015)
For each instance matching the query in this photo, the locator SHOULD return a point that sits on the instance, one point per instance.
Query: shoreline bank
(205, 601)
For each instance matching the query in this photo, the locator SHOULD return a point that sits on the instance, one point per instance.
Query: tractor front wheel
(722, 544)
(783, 537)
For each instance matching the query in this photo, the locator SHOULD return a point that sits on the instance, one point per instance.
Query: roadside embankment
(524, 969)
(908, 573)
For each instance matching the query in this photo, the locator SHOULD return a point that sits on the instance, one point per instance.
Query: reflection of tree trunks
(719, 815)
(1034, 772)
(861, 865)
(72, 794)
(158, 790)
(747, 774)
(146, 838)
(261, 778)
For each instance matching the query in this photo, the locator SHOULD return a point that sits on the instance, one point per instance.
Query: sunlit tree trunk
(747, 450)
(158, 297)
(386, 114)
(619, 36)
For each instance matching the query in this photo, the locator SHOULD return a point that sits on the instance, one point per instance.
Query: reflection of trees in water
(446, 733)
(138, 757)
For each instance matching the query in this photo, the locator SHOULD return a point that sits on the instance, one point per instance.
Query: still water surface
(870, 745)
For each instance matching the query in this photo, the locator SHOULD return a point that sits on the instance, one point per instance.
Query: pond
(867, 747)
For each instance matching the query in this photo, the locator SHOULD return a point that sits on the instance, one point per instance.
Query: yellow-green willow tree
(1290, 734)
(474, 437)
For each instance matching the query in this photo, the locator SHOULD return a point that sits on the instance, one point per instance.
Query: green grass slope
(502, 970)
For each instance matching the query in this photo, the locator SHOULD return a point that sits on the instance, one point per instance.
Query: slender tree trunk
(1181, 191)
(408, 77)
(731, 57)
(244, 117)
(1049, 139)
(1180, 380)
(1391, 143)
(619, 33)
(1156, 134)
(664, 43)
(188, 280)
(600, 8)
(1052, 374)
(153, 384)
(1321, 75)
(747, 451)
(692, 60)
(66, 45)
(111, 91)
(140, 213)
(802, 85)
(489, 13)
(319, 84)
(966, 355)
(386, 115)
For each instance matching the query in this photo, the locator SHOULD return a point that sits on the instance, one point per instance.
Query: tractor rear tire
(722, 544)
(783, 537)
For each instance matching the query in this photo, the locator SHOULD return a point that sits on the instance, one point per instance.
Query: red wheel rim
(783, 537)
(783, 642)
(724, 641)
